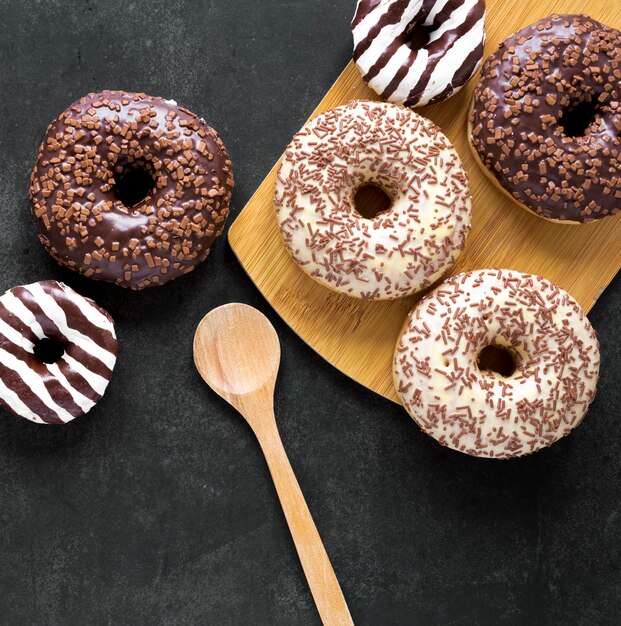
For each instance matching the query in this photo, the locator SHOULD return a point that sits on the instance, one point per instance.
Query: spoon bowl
(236, 351)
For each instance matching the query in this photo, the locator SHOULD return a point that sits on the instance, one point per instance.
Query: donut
(130, 189)
(546, 119)
(418, 52)
(57, 352)
(496, 363)
(399, 251)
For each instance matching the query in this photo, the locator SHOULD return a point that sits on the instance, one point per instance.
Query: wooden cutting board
(358, 337)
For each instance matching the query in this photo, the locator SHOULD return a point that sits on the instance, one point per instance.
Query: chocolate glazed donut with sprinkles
(496, 363)
(394, 252)
(418, 52)
(546, 118)
(130, 189)
(57, 352)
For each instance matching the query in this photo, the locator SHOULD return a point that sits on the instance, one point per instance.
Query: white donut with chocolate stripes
(57, 352)
(554, 357)
(401, 250)
(418, 52)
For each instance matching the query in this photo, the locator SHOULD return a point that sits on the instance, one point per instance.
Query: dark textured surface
(157, 507)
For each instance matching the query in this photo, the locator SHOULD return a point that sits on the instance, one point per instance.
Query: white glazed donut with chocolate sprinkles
(401, 250)
(57, 352)
(418, 52)
(553, 354)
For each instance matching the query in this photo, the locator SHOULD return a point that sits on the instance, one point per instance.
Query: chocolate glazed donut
(130, 189)
(546, 119)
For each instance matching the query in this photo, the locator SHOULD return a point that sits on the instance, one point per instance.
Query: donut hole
(497, 359)
(49, 350)
(576, 120)
(419, 35)
(133, 184)
(370, 200)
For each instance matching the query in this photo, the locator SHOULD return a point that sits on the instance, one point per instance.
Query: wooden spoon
(236, 351)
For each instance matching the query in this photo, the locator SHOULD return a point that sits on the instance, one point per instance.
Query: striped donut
(418, 52)
(41, 319)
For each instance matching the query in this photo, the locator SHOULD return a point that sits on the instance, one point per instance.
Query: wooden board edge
(316, 110)
(231, 236)
(288, 323)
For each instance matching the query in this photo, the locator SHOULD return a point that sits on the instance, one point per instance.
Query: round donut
(399, 251)
(418, 52)
(507, 409)
(546, 118)
(130, 189)
(57, 352)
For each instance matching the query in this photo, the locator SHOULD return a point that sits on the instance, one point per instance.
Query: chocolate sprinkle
(400, 251)
(561, 72)
(481, 412)
(86, 153)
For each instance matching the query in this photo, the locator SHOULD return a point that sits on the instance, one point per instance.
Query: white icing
(86, 404)
(90, 312)
(96, 382)
(452, 59)
(14, 402)
(50, 308)
(33, 383)
(481, 412)
(15, 306)
(399, 252)
(443, 72)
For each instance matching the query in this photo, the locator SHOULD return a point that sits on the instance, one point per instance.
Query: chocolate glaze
(436, 49)
(26, 317)
(527, 86)
(80, 219)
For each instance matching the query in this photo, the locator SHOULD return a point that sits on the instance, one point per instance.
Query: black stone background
(157, 507)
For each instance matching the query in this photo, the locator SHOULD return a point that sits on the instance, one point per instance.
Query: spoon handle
(319, 573)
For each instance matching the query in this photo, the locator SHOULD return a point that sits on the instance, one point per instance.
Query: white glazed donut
(552, 346)
(418, 52)
(401, 250)
(57, 352)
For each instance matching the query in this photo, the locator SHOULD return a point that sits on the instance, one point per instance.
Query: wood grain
(237, 352)
(359, 337)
